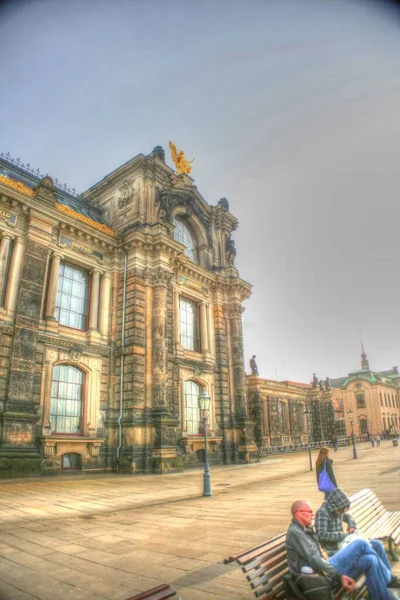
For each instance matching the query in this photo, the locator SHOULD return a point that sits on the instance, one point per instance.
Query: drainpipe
(121, 380)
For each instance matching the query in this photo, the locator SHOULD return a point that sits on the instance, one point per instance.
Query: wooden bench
(374, 521)
(266, 570)
(266, 567)
(161, 592)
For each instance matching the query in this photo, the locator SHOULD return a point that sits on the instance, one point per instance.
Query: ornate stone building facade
(374, 396)
(117, 309)
(279, 409)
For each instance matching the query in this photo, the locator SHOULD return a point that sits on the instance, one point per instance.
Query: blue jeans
(369, 558)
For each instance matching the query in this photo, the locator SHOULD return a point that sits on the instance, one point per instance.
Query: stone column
(105, 303)
(247, 448)
(164, 449)
(211, 330)
(4, 253)
(11, 296)
(52, 287)
(159, 279)
(234, 313)
(94, 301)
(177, 337)
(203, 328)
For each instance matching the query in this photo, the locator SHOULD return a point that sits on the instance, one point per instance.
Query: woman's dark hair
(322, 455)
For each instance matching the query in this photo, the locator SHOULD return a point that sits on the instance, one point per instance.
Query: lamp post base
(207, 485)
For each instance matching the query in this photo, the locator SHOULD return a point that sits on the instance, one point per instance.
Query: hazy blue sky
(292, 111)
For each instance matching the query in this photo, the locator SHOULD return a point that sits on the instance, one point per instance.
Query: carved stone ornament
(233, 311)
(157, 276)
(45, 188)
(76, 353)
(126, 194)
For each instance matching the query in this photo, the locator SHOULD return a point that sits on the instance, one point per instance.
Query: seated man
(305, 556)
(329, 525)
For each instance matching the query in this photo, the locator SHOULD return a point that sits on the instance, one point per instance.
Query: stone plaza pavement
(112, 536)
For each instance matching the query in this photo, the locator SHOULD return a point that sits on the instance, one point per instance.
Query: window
(282, 418)
(386, 403)
(66, 399)
(192, 411)
(189, 324)
(71, 462)
(184, 236)
(363, 426)
(7, 258)
(72, 296)
(358, 386)
(380, 398)
(360, 401)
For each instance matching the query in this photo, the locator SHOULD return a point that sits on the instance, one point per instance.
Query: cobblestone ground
(114, 536)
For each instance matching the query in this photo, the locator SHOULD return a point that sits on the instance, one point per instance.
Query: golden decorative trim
(17, 185)
(72, 213)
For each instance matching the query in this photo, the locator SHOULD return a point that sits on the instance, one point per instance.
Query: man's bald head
(299, 505)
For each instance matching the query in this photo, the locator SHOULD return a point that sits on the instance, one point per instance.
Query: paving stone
(110, 537)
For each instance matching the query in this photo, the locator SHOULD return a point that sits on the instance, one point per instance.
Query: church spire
(364, 360)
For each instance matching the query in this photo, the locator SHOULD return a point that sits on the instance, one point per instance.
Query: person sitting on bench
(306, 557)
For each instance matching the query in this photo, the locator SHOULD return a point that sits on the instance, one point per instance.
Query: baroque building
(118, 308)
(372, 395)
(284, 411)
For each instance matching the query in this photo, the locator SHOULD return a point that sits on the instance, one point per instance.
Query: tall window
(282, 418)
(184, 236)
(189, 324)
(66, 399)
(380, 398)
(360, 401)
(363, 426)
(192, 411)
(72, 296)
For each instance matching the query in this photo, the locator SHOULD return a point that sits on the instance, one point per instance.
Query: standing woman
(325, 476)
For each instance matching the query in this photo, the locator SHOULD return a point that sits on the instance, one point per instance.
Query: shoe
(394, 582)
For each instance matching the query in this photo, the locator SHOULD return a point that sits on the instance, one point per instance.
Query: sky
(291, 109)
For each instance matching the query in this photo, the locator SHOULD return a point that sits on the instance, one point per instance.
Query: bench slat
(160, 592)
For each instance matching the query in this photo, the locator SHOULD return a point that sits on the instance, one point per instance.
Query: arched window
(66, 400)
(184, 235)
(192, 411)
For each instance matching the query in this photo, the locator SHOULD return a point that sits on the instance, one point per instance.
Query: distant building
(279, 410)
(117, 309)
(372, 395)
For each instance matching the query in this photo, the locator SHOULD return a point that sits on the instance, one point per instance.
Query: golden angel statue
(182, 165)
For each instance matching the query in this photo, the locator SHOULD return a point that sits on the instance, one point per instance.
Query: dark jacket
(303, 549)
(329, 470)
(329, 527)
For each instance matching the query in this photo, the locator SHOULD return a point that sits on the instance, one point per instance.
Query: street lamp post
(307, 413)
(204, 405)
(350, 414)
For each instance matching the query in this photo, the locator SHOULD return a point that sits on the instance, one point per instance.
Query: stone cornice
(75, 215)
(72, 344)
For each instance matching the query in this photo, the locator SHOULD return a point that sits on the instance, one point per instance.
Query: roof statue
(182, 165)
